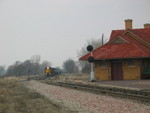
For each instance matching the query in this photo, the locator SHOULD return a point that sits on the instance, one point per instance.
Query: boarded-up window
(102, 63)
(131, 62)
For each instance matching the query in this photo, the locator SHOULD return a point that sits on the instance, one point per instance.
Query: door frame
(116, 70)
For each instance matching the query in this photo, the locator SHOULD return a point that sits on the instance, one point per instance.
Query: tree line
(34, 67)
(31, 66)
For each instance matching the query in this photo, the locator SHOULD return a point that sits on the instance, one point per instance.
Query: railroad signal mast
(91, 60)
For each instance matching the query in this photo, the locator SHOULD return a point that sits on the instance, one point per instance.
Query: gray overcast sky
(57, 29)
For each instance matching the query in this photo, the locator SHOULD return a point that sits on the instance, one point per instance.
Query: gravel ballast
(85, 102)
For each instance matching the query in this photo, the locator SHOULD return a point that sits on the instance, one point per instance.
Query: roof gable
(137, 38)
(118, 40)
(142, 33)
(116, 33)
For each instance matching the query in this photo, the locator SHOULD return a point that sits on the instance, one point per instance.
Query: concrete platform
(135, 84)
(138, 85)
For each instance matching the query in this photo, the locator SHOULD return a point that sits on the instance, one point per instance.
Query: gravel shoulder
(85, 102)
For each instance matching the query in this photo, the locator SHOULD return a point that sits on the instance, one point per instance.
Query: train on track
(49, 71)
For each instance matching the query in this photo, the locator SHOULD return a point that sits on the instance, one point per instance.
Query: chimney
(147, 25)
(128, 24)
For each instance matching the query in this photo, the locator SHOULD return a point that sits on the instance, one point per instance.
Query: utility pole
(28, 75)
(102, 39)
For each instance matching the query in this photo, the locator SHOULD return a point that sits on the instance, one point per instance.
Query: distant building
(126, 56)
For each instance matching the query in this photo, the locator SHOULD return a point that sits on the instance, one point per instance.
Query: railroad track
(138, 95)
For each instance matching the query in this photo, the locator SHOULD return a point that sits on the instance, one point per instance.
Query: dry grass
(69, 77)
(15, 98)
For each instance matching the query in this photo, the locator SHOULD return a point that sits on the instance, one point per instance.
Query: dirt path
(15, 98)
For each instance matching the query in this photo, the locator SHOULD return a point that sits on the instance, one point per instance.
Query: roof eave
(118, 58)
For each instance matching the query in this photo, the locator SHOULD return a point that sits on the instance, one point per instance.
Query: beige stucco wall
(102, 73)
(131, 72)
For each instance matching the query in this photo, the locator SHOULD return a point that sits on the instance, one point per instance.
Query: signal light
(91, 59)
(90, 48)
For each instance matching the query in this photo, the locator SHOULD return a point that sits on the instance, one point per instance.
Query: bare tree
(36, 59)
(2, 70)
(29, 66)
(94, 42)
(70, 66)
(35, 67)
(84, 64)
(46, 63)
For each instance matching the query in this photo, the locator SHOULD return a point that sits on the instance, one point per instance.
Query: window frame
(131, 63)
(102, 63)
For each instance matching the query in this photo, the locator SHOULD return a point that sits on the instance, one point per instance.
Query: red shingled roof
(143, 33)
(133, 49)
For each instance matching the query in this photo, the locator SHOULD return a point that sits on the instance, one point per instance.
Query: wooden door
(116, 70)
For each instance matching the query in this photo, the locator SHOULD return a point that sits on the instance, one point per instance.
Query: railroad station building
(126, 56)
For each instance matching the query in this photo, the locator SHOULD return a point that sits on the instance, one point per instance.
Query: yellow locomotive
(48, 71)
